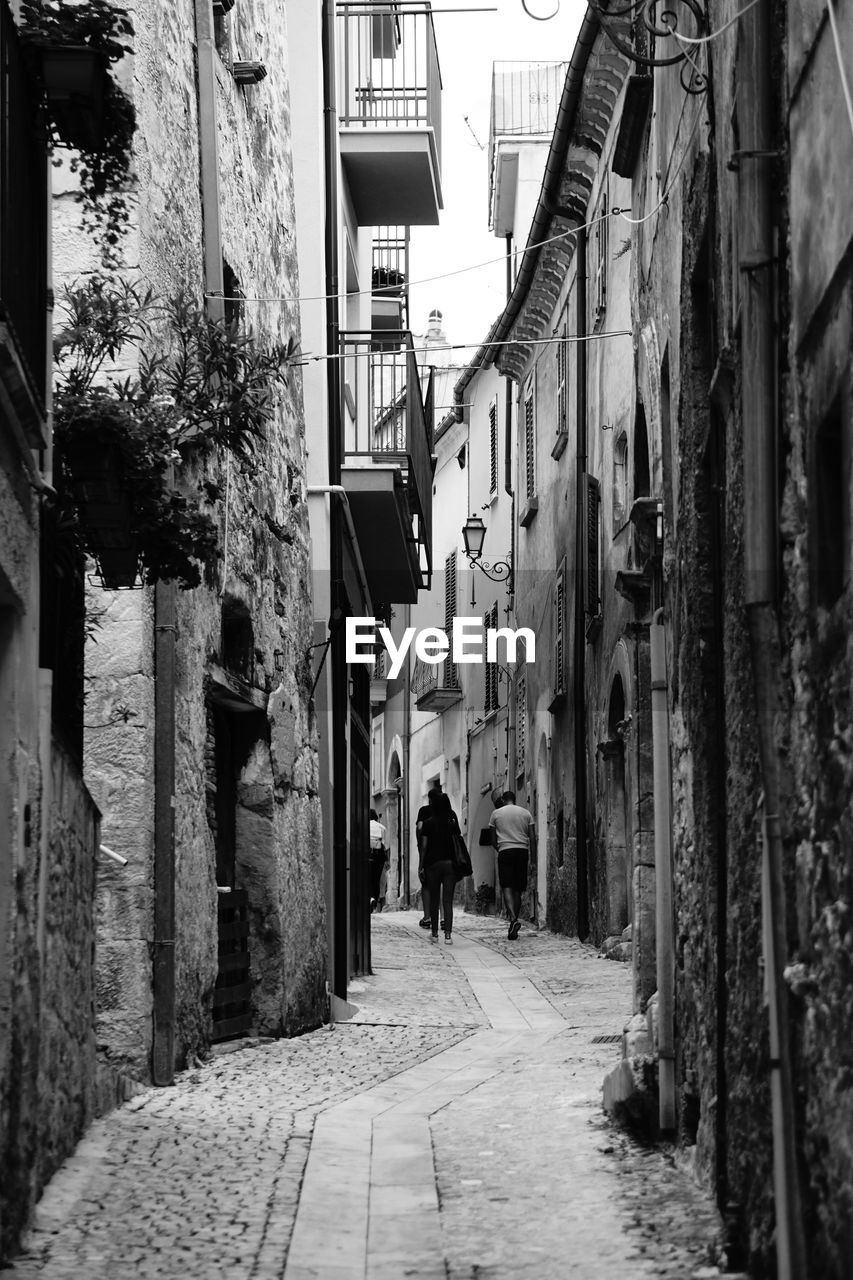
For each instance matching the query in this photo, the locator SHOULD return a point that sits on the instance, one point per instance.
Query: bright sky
(468, 44)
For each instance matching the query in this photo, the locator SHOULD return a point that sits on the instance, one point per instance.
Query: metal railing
(430, 677)
(387, 419)
(390, 274)
(23, 206)
(389, 65)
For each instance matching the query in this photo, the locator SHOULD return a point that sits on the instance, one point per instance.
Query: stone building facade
(691, 778)
(212, 215)
(49, 824)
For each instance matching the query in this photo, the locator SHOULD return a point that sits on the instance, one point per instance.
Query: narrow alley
(451, 1128)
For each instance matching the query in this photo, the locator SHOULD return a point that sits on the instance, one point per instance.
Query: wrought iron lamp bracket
(495, 570)
(659, 18)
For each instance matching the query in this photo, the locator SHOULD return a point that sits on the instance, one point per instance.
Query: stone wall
(48, 1080)
(261, 568)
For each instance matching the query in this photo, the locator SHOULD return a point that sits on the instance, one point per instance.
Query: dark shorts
(512, 869)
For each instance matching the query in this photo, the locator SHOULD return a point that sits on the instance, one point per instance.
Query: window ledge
(558, 700)
(560, 444)
(528, 512)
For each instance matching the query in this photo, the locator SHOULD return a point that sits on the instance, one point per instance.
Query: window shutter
(601, 258)
(562, 384)
(493, 447)
(520, 722)
(560, 631)
(451, 674)
(491, 702)
(592, 589)
(529, 445)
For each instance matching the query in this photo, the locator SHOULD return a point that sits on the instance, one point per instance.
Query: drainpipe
(760, 563)
(580, 569)
(508, 391)
(165, 598)
(663, 878)
(337, 653)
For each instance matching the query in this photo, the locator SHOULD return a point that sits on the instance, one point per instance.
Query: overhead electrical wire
(412, 284)
(468, 346)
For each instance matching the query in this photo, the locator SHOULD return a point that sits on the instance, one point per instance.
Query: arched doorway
(617, 854)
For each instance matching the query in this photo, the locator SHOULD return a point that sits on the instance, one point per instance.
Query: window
(493, 447)
(490, 702)
(529, 443)
(237, 639)
(233, 294)
(620, 482)
(642, 485)
(451, 671)
(830, 517)
(599, 289)
(560, 631)
(520, 722)
(592, 588)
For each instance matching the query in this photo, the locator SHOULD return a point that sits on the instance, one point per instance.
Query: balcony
(390, 112)
(525, 99)
(390, 279)
(435, 687)
(23, 243)
(388, 465)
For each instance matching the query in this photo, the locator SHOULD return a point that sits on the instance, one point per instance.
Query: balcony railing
(435, 687)
(391, 76)
(387, 420)
(390, 276)
(525, 98)
(23, 208)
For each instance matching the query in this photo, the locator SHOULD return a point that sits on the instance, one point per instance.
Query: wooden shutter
(491, 682)
(560, 631)
(529, 445)
(520, 721)
(493, 447)
(562, 384)
(592, 588)
(451, 674)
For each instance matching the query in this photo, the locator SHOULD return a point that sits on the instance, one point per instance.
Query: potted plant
(201, 385)
(73, 47)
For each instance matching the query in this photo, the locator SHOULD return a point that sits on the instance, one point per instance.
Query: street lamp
(474, 535)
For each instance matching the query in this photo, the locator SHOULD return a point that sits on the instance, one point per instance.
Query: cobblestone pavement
(452, 1128)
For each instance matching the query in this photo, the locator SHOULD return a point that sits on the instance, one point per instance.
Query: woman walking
(436, 862)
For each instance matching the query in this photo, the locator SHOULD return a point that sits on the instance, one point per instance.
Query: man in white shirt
(513, 835)
(377, 857)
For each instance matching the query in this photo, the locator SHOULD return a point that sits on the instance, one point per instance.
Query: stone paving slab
(453, 1128)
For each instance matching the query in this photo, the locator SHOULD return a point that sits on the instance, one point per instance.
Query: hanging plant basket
(118, 567)
(73, 77)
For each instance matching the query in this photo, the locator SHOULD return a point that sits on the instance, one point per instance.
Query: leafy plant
(103, 169)
(200, 385)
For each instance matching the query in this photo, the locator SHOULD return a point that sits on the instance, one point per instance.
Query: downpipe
(759, 409)
(580, 630)
(664, 948)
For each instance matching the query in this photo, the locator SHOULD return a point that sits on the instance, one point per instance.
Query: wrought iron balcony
(390, 278)
(388, 464)
(390, 112)
(436, 687)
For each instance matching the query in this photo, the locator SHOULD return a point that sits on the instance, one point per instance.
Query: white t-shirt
(377, 834)
(512, 824)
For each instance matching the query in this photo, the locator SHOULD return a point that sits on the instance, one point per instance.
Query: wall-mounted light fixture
(474, 535)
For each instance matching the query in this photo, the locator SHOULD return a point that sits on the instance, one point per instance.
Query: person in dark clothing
(437, 862)
(423, 813)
